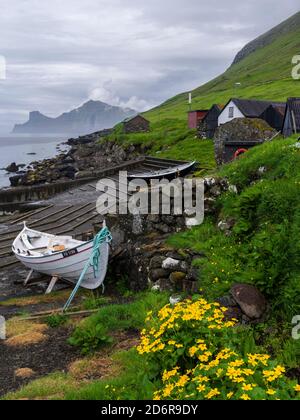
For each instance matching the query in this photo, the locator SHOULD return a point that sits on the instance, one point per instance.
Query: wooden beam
(52, 283)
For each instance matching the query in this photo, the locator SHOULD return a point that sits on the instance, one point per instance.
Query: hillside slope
(263, 67)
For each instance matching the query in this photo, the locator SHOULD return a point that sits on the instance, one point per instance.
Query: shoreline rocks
(86, 155)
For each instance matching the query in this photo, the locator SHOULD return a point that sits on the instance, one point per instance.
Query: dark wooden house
(195, 117)
(136, 124)
(291, 123)
(274, 116)
(209, 124)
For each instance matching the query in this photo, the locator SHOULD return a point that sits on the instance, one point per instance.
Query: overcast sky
(134, 53)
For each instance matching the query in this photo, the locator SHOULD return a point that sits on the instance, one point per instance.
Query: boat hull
(170, 173)
(69, 265)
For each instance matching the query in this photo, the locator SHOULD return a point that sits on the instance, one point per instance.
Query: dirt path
(52, 355)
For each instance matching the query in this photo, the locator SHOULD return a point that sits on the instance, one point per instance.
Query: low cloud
(131, 54)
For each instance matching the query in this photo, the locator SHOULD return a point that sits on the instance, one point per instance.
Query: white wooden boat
(168, 173)
(60, 256)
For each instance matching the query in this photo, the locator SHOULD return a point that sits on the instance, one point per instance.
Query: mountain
(263, 67)
(90, 117)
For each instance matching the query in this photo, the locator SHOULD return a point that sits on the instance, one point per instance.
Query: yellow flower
(168, 375)
(213, 393)
(297, 388)
(248, 372)
(245, 397)
(201, 388)
(237, 363)
(193, 351)
(230, 395)
(271, 392)
(247, 387)
(272, 375)
(156, 396)
(168, 390)
(182, 381)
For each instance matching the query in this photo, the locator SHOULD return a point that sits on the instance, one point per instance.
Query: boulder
(13, 168)
(176, 278)
(250, 299)
(157, 274)
(15, 180)
(156, 262)
(174, 265)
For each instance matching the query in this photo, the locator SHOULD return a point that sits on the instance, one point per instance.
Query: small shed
(195, 117)
(136, 124)
(274, 116)
(238, 136)
(291, 123)
(209, 124)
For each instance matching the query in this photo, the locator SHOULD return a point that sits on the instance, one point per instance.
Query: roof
(293, 105)
(253, 108)
(133, 117)
(280, 109)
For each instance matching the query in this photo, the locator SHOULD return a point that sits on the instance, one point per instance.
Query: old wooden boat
(168, 173)
(62, 257)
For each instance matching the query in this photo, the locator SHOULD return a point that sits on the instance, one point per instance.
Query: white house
(244, 108)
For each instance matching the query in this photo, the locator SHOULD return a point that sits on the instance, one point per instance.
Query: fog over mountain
(124, 53)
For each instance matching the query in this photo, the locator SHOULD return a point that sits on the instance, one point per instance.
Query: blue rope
(103, 236)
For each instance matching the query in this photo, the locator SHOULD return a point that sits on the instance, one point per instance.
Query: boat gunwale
(33, 257)
(164, 172)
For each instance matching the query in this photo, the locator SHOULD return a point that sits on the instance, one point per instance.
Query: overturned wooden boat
(168, 173)
(63, 257)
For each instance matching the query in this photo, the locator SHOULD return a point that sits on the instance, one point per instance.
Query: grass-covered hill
(263, 68)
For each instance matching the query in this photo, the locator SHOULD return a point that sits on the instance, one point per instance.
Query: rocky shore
(85, 155)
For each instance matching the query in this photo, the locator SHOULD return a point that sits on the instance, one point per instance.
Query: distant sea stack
(90, 117)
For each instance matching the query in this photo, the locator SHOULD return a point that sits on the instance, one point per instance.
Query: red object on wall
(240, 152)
(195, 117)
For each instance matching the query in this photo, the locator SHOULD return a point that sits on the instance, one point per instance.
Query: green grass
(94, 332)
(263, 248)
(132, 382)
(264, 74)
(170, 138)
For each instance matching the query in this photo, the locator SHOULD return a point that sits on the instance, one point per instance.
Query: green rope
(103, 236)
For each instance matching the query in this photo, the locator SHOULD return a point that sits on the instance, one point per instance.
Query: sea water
(24, 150)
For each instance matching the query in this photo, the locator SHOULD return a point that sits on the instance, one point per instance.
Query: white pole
(190, 100)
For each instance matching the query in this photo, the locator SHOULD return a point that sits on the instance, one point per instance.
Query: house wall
(208, 126)
(192, 120)
(273, 117)
(224, 116)
(287, 125)
(195, 117)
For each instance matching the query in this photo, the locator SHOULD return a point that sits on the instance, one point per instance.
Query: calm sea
(21, 149)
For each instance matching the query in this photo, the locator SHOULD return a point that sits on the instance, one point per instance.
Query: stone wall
(241, 131)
